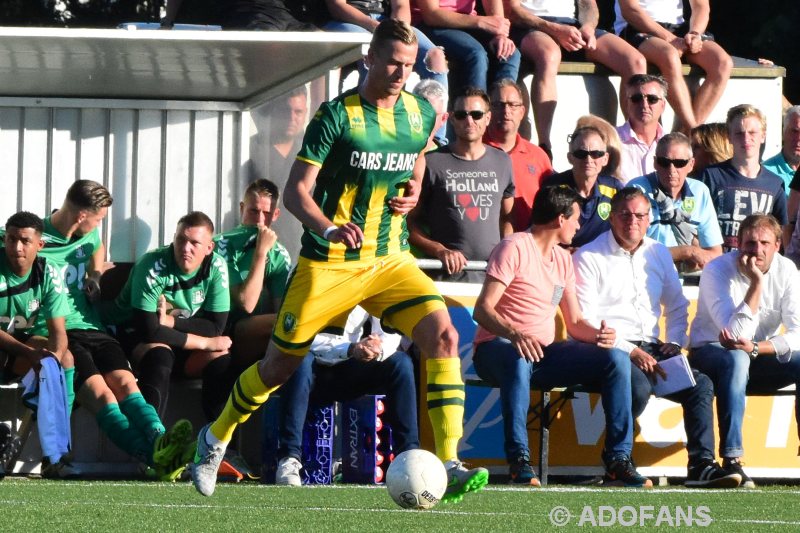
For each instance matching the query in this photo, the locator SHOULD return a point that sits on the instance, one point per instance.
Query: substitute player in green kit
(103, 378)
(174, 307)
(33, 300)
(358, 155)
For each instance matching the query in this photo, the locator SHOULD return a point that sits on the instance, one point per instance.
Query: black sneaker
(734, 466)
(621, 472)
(710, 475)
(522, 473)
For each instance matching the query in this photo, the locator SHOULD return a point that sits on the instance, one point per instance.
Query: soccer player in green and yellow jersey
(358, 155)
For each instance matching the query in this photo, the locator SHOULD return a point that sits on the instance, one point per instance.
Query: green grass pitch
(40, 505)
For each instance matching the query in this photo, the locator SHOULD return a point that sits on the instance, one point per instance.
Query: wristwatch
(754, 351)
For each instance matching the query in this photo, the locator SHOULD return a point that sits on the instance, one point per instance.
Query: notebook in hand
(679, 376)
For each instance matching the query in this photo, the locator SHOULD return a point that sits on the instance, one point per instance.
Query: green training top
(366, 154)
(237, 247)
(156, 273)
(27, 302)
(73, 256)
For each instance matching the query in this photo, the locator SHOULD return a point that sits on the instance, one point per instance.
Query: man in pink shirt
(645, 100)
(528, 275)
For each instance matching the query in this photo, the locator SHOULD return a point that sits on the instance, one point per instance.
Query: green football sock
(142, 415)
(126, 437)
(69, 384)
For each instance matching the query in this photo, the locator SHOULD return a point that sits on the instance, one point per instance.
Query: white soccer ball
(416, 479)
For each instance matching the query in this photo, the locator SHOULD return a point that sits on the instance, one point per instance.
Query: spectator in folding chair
(104, 381)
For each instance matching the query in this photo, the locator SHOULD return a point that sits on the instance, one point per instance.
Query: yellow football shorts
(392, 288)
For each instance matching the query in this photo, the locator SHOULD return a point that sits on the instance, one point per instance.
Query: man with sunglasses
(588, 156)
(682, 216)
(645, 98)
(531, 164)
(741, 186)
(626, 278)
(467, 194)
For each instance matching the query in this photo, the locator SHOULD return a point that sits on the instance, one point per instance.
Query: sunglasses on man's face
(652, 99)
(583, 154)
(665, 162)
(462, 114)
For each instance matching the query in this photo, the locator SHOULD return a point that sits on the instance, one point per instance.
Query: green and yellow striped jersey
(365, 154)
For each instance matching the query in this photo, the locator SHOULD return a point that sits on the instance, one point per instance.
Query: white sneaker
(288, 472)
(206, 463)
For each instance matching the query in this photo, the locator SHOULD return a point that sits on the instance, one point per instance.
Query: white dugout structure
(166, 120)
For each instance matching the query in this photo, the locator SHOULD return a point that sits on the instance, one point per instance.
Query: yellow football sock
(445, 398)
(248, 394)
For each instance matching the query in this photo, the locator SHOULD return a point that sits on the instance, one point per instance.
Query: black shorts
(636, 38)
(7, 360)
(518, 33)
(95, 352)
(130, 339)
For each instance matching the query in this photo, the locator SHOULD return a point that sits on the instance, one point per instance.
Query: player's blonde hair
(392, 30)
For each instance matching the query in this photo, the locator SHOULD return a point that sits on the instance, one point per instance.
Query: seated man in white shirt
(341, 365)
(745, 297)
(625, 277)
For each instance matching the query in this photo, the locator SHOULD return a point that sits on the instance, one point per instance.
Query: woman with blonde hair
(710, 145)
(610, 137)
